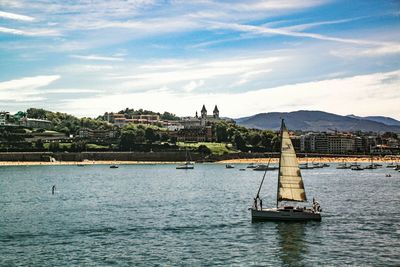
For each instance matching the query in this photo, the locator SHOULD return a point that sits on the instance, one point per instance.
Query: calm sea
(145, 215)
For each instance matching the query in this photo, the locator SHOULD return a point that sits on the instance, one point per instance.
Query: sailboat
(188, 165)
(343, 165)
(290, 188)
(371, 166)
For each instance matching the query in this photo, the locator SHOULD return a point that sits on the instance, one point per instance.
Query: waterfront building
(358, 144)
(35, 123)
(201, 121)
(121, 120)
(86, 133)
(203, 134)
(172, 125)
(341, 143)
(4, 116)
(314, 142)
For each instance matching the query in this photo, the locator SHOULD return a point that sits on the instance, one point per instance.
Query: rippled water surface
(156, 215)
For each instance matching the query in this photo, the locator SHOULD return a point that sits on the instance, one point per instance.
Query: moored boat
(188, 165)
(251, 166)
(357, 168)
(343, 165)
(263, 167)
(305, 166)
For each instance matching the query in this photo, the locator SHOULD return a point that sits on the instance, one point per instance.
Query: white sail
(290, 183)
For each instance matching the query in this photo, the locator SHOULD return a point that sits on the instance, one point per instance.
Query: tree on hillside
(39, 144)
(221, 132)
(54, 146)
(37, 113)
(150, 135)
(240, 142)
(254, 139)
(169, 116)
(204, 150)
(266, 139)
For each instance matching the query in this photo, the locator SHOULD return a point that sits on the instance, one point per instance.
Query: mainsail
(290, 183)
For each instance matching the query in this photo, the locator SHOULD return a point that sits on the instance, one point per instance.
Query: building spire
(216, 112)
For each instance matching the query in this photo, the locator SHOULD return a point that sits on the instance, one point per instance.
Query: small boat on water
(343, 165)
(242, 169)
(373, 165)
(317, 165)
(188, 165)
(263, 167)
(290, 188)
(114, 167)
(305, 166)
(229, 166)
(251, 166)
(370, 167)
(357, 168)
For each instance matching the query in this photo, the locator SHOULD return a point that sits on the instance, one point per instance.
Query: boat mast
(279, 170)
(262, 181)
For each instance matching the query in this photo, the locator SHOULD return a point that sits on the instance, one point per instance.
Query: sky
(90, 57)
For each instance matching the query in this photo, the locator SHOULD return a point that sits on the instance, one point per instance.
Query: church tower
(216, 113)
(203, 112)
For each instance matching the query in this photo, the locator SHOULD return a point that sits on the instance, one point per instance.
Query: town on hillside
(142, 130)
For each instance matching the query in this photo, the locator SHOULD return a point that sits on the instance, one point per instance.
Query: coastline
(230, 161)
(313, 160)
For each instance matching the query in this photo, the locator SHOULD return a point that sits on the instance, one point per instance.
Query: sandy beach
(91, 162)
(231, 161)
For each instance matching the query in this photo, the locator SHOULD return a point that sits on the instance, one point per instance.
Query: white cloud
(96, 57)
(8, 15)
(85, 68)
(70, 91)
(192, 86)
(276, 5)
(371, 94)
(170, 73)
(302, 27)
(31, 32)
(282, 31)
(25, 89)
(381, 50)
(363, 47)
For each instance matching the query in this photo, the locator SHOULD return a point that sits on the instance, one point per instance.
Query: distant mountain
(381, 119)
(317, 121)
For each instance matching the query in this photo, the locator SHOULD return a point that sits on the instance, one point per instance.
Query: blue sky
(89, 57)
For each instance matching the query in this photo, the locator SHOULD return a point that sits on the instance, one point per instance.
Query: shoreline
(346, 159)
(230, 161)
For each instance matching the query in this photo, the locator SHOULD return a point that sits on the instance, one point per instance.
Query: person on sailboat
(255, 203)
(316, 206)
(53, 189)
(260, 204)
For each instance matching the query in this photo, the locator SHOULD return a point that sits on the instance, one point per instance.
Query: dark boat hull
(284, 215)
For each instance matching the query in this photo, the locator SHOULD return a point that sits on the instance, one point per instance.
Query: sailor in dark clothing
(255, 203)
(260, 203)
(53, 189)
